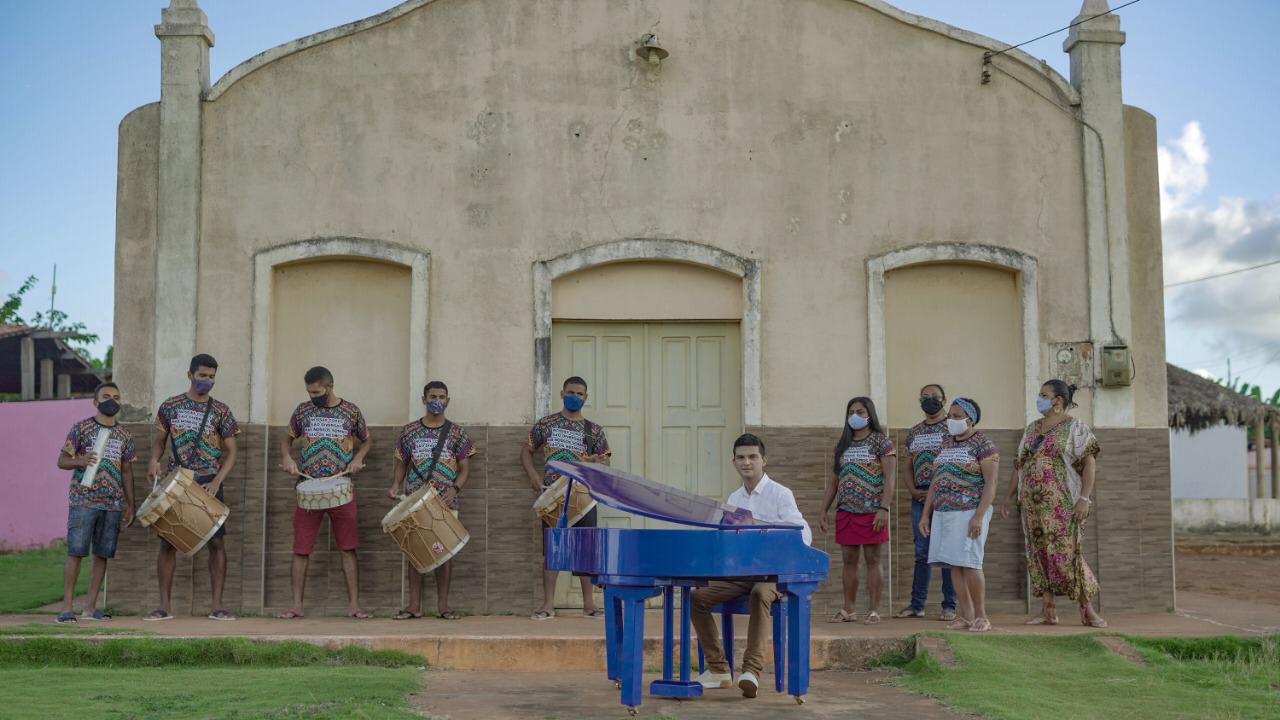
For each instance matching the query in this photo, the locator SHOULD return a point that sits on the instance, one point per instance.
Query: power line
(1055, 32)
(1224, 274)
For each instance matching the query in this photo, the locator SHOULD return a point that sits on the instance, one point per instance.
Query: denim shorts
(91, 526)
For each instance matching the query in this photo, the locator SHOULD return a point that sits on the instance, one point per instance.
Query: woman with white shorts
(957, 510)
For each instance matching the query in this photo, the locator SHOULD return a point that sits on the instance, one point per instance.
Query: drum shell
(425, 530)
(324, 493)
(182, 513)
(551, 500)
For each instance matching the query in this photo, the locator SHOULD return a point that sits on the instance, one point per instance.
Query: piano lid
(638, 496)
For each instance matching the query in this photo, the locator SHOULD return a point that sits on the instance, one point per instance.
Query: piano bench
(740, 607)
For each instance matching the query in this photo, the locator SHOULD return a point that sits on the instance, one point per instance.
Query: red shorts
(342, 519)
(855, 529)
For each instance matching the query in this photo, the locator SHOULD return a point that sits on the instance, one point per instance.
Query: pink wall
(33, 491)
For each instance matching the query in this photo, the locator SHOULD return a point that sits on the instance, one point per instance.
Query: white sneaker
(715, 681)
(749, 684)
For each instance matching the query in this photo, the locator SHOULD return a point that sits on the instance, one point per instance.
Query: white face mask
(957, 427)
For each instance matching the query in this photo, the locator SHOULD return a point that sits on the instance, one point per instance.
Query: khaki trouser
(759, 630)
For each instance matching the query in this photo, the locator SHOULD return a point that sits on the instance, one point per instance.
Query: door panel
(669, 398)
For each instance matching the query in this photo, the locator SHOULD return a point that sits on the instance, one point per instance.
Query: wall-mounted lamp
(650, 49)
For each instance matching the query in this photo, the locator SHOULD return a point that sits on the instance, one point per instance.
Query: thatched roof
(1196, 403)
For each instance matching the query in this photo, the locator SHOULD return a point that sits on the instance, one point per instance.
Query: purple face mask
(202, 387)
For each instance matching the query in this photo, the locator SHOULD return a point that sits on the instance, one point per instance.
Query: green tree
(13, 303)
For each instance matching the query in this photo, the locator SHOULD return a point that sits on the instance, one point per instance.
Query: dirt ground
(543, 696)
(1229, 567)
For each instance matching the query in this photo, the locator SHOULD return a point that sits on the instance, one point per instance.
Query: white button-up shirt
(772, 503)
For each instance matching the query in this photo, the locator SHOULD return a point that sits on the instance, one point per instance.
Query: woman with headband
(957, 510)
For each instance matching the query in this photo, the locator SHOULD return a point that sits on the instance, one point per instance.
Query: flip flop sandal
(960, 624)
(360, 615)
(290, 615)
(594, 614)
(542, 615)
(980, 625)
(909, 613)
(1042, 619)
(873, 618)
(843, 616)
(406, 615)
(157, 615)
(67, 618)
(99, 614)
(221, 615)
(447, 615)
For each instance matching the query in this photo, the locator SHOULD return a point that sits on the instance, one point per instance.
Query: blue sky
(69, 71)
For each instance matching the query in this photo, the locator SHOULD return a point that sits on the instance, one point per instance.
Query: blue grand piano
(633, 565)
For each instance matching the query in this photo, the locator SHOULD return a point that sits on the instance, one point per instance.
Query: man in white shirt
(768, 502)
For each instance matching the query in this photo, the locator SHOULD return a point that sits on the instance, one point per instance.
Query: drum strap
(435, 454)
(177, 459)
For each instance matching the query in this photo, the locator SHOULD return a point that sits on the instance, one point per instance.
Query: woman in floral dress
(1057, 460)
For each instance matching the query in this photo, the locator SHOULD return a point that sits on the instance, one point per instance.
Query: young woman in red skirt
(862, 474)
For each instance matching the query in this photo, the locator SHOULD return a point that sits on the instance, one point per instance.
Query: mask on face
(573, 403)
(109, 407)
(202, 387)
(1043, 406)
(930, 405)
(436, 407)
(857, 422)
(320, 400)
(957, 427)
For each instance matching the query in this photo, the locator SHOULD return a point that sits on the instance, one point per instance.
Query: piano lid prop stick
(99, 445)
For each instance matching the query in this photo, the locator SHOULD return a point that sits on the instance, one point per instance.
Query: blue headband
(967, 407)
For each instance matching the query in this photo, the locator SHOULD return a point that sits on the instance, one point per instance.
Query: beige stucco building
(805, 201)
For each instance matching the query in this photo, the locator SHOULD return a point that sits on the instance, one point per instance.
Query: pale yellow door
(610, 357)
(669, 396)
(694, 411)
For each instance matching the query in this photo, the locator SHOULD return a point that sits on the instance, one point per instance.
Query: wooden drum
(182, 512)
(551, 500)
(425, 529)
(324, 493)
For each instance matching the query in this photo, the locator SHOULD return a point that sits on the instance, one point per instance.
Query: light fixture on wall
(650, 49)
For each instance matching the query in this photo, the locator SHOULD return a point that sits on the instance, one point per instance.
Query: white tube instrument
(99, 446)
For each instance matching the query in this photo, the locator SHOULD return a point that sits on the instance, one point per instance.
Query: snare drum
(182, 513)
(551, 500)
(425, 529)
(324, 493)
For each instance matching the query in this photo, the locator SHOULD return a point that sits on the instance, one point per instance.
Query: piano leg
(798, 603)
(668, 603)
(685, 597)
(612, 634)
(632, 665)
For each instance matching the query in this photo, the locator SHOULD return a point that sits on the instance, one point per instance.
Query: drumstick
(99, 445)
(344, 472)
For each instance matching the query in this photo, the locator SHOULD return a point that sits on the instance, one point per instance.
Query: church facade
(793, 203)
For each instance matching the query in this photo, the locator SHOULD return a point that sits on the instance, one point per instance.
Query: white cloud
(1240, 311)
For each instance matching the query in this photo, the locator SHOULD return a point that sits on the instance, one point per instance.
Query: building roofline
(278, 52)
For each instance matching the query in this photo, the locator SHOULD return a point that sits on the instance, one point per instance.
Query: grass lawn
(33, 578)
(48, 628)
(215, 679)
(1069, 678)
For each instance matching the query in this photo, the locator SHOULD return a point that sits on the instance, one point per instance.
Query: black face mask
(931, 405)
(109, 407)
(320, 400)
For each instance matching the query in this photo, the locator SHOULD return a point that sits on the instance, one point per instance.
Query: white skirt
(949, 541)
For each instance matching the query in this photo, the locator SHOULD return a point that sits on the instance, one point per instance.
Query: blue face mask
(573, 403)
(435, 407)
(857, 422)
(1043, 406)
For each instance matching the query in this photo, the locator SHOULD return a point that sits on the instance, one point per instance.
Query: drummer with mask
(438, 451)
(332, 440)
(565, 436)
